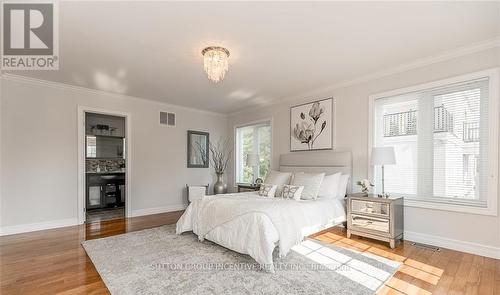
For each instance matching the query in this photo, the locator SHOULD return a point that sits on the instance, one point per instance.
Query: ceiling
(281, 49)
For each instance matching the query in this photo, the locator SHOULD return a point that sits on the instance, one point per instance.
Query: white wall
(38, 146)
(442, 228)
(38, 125)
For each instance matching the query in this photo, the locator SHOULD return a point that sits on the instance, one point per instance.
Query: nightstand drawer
(370, 223)
(370, 207)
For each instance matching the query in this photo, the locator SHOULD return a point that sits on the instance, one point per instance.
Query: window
(441, 134)
(253, 139)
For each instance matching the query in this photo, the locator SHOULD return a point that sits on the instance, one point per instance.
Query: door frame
(81, 204)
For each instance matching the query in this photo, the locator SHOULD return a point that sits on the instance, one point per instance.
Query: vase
(219, 186)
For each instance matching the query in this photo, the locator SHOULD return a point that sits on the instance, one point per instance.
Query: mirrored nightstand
(376, 218)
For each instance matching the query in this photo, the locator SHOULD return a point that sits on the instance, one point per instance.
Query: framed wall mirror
(197, 149)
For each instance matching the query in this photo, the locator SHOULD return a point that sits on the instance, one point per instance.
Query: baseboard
(462, 246)
(157, 210)
(24, 228)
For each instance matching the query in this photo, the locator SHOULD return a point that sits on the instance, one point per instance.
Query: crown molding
(418, 63)
(64, 86)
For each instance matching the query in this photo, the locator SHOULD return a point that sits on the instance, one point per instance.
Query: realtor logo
(30, 36)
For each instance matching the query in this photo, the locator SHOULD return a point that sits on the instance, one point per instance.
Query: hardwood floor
(54, 262)
(105, 214)
(425, 271)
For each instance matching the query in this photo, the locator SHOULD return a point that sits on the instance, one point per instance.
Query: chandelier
(215, 62)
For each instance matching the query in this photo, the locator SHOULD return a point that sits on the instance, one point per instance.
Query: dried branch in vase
(221, 154)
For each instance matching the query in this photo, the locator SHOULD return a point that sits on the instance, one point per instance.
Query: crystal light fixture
(215, 62)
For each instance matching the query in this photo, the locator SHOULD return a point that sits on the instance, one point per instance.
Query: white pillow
(291, 192)
(329, 186)
(342, 189)
(293, 175)
(278, 178)
(310, 182)
(267, 190)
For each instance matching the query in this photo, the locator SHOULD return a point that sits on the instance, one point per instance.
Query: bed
(250, 224)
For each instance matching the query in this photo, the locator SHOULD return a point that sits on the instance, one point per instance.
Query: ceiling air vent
(167, 119)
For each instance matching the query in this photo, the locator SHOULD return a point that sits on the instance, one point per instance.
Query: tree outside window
(253, 139)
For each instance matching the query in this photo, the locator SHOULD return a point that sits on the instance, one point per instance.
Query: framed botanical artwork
(311, 126)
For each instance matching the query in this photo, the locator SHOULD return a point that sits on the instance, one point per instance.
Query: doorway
(104, 142)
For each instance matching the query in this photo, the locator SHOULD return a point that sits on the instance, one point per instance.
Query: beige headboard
(329, 162)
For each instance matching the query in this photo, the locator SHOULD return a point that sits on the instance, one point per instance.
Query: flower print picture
(311, 126)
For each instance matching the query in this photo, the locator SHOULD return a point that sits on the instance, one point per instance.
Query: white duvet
(253, 225)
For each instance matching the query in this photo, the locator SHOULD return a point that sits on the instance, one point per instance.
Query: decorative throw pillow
(267, 190)
(311, 184)
(292, 192)
(330, 186)
(342, 189)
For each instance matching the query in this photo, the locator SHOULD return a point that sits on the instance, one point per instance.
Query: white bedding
(254, 225)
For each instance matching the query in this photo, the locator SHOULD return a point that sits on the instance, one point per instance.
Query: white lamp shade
(252, 160)
(383, 156)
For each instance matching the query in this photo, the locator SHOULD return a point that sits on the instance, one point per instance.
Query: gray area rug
(157, 261)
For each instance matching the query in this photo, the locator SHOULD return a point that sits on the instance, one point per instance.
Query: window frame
(235, 147)
(491, 207)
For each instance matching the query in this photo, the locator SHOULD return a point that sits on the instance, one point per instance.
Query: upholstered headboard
(329, 162)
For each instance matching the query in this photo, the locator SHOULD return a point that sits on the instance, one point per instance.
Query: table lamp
(383, 156)
(253, 161)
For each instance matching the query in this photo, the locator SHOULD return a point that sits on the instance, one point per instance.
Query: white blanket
(285, 215)
(250, 224)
